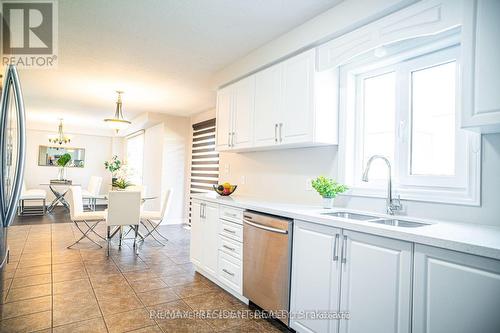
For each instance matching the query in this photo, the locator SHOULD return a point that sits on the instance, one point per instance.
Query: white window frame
(464, 188)
(140, 135)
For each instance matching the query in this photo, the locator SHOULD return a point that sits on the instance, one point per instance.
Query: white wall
(97, 150)
(281, 175)
(166, 150)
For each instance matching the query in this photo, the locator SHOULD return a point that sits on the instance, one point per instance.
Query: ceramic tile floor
(48, 288)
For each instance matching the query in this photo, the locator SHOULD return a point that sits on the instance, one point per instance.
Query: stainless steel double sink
(374, 219)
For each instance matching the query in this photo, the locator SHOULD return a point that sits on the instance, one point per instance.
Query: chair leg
(90, 228)
(44, 207)
(135, 239)
(108, 239)
(121, 236)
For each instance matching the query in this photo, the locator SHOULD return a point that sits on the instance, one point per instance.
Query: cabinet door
(224, 108)
(455, 292)
(244, 98)
(481, 65)
(210, 238)
(315, 275)
(376, 284)
(298, 100)
(196, 243)
(267, 106)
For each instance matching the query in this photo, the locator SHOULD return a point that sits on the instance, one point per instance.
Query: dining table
(59, 190)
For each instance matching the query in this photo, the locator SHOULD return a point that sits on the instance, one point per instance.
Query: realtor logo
(29, 33)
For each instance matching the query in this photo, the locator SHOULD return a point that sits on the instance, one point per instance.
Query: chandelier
(118, 122)
(60, 138)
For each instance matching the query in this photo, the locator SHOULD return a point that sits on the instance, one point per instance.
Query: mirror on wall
(48, 156)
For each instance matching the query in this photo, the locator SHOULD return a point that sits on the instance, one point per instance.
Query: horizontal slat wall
(204, 159)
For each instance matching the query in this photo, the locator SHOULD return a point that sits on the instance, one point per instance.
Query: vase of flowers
(113, 166)
(120, 182)
(328, 188)
(62, 162)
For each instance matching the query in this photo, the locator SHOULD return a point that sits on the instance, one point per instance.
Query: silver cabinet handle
(227, 272)
(275, 132)
(281, 129)
(229, 230)
(231, 215)
(229, 139)
(344, 250)
(232, 139)
(229, 248)
(335, 248)
(263, 227)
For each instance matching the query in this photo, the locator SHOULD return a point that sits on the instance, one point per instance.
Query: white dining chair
(124, 209)
(91, 194)
(32, 195)
(151, 220)
(78, 216)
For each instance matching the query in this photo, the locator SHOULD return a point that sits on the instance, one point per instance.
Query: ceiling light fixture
(118, 122)
(60, 138)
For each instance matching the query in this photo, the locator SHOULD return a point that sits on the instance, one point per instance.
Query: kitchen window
(405, 108)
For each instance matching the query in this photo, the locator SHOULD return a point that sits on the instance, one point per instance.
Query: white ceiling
(162, 53)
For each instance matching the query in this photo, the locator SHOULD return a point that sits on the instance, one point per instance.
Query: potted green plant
(328, 188)
(121, 181)
(62, 162)
(113, 166)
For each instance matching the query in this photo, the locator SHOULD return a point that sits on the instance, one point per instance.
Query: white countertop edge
(482, 240)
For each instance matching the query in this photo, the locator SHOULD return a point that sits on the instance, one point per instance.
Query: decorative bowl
(232, 189)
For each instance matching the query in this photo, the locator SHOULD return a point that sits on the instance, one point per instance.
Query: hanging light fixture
(118, 122)
(60, 138)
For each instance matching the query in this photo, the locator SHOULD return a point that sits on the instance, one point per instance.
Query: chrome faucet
(393, 205)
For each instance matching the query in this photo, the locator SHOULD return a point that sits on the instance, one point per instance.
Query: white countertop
(471, 238)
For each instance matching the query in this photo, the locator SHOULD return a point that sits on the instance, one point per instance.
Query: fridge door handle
(8, 205)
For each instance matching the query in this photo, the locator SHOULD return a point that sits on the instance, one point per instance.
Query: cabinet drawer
(229, 271)
(231, 214)
(231, 230)
(230, 247)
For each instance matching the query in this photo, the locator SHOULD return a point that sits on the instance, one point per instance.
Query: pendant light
(118, 122)
(60, 138)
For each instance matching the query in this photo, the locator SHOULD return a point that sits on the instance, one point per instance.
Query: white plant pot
(328, 203)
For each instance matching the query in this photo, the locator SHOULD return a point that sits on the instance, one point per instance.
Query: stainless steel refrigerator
(12, 156)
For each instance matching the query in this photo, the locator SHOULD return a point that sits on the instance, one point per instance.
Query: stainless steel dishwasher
(267, 250)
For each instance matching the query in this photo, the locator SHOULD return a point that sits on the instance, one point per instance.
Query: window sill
(442, 196)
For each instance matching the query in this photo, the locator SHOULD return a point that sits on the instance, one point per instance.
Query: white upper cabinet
(243, 113)
(297, 113)
(481, 66)
(235, 113)
(455, 292)
(267, 106)
(224, 118)
(289, 104)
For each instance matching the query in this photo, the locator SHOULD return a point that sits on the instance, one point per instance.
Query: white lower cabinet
(455, 292)
(216, 244)
(204, 240)
(376, 284)
(315, 275)
(365, 275)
